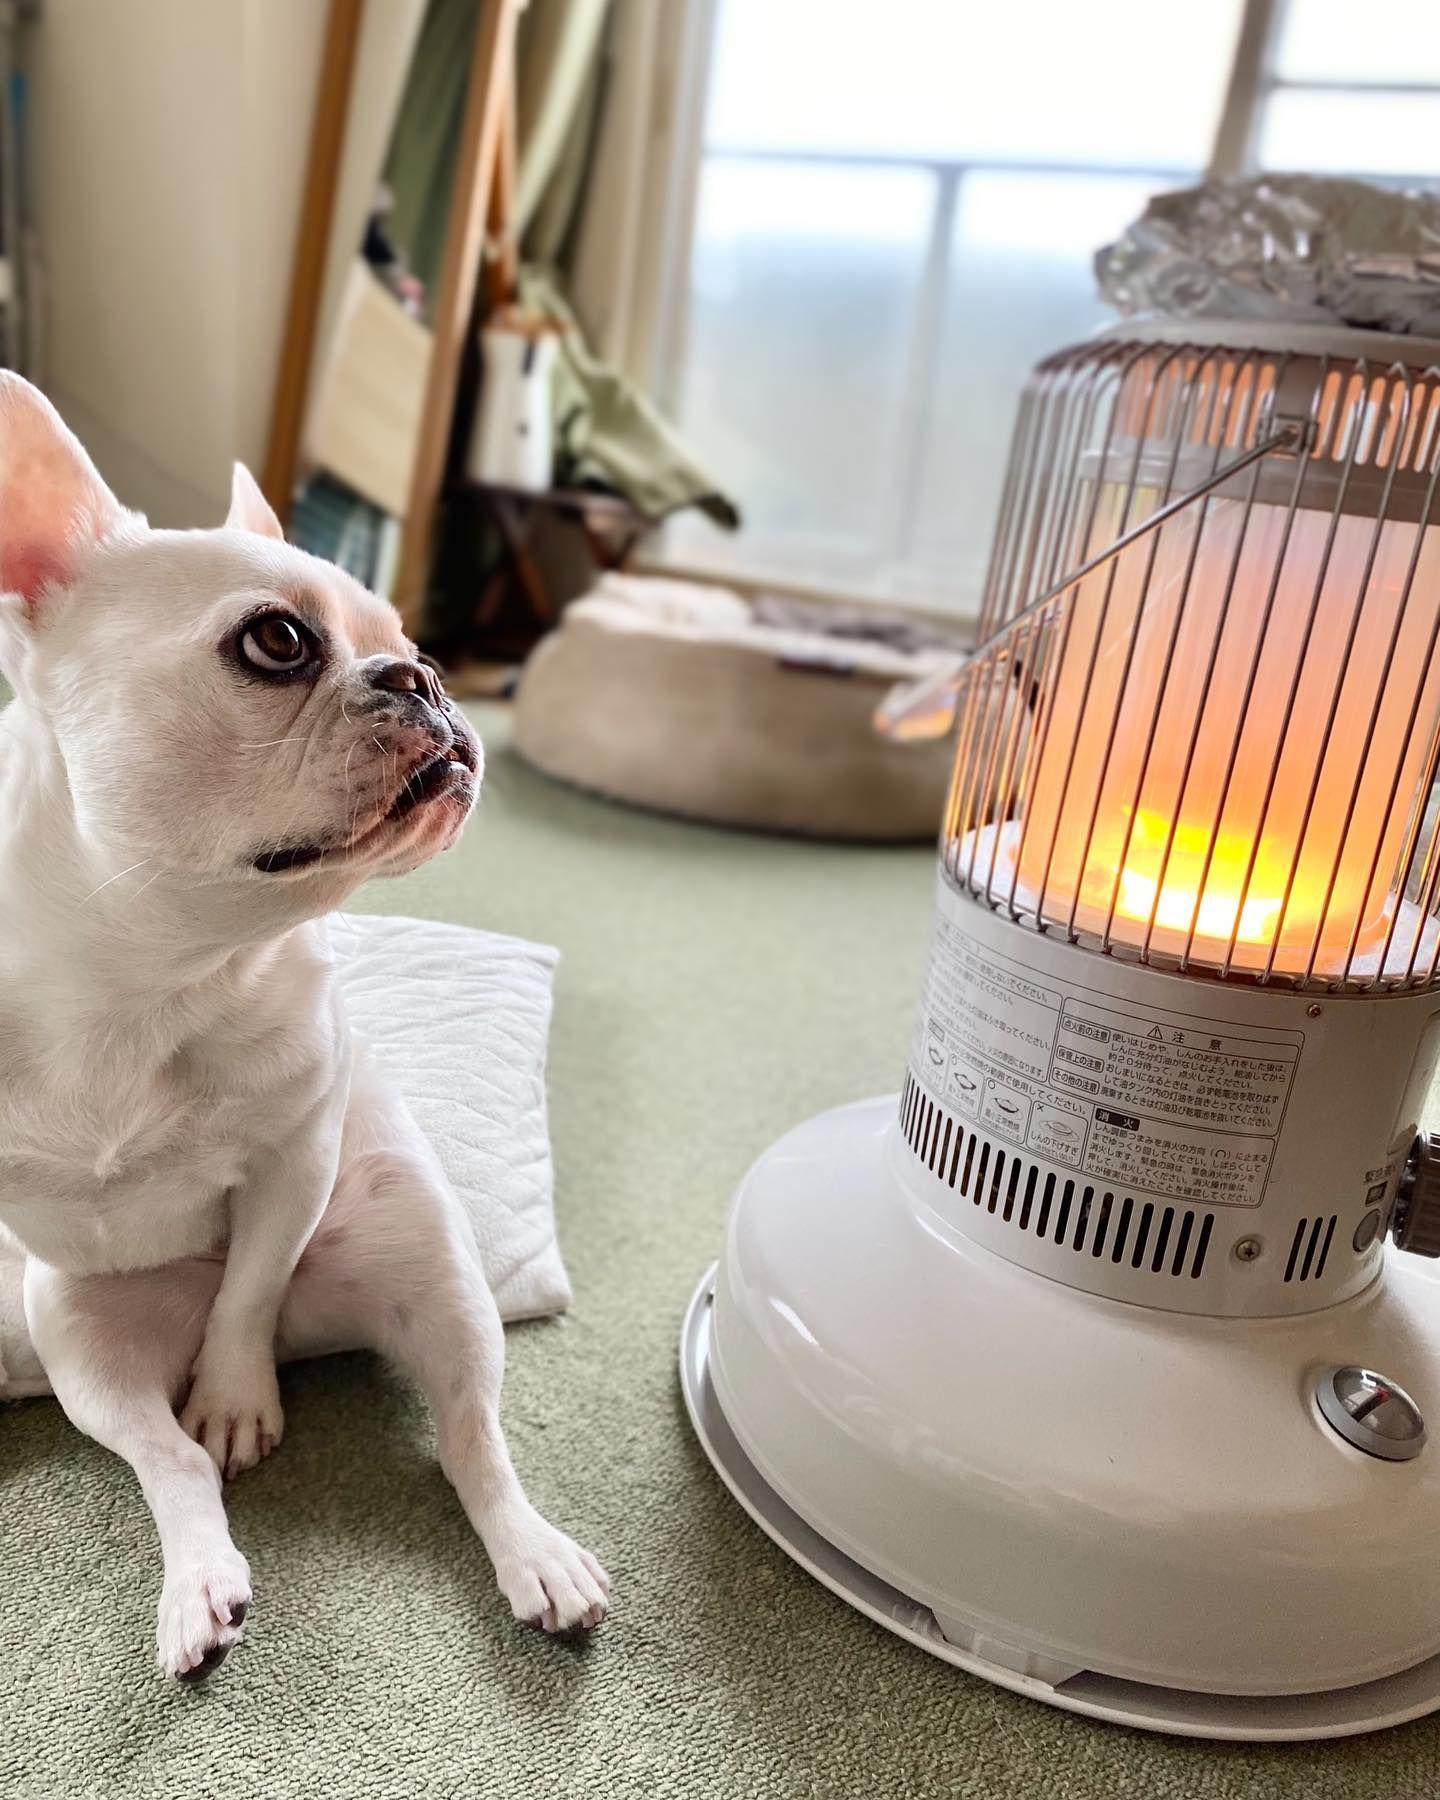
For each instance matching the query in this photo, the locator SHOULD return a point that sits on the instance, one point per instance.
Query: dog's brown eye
(275, 643)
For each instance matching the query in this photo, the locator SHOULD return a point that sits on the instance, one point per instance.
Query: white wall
(170, 139)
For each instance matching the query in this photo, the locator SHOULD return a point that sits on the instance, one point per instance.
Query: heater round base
(992, 1469)
(1343, 1712)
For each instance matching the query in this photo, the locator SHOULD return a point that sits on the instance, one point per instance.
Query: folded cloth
(861, 624)
(467, 1053)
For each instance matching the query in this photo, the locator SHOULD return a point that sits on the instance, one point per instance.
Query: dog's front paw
(550, 1581)
(233, 1410)
(202, 1608)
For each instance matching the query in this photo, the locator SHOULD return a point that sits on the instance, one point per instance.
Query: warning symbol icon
(1155, 1031)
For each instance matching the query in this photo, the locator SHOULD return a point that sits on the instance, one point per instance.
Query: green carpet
(714, 990)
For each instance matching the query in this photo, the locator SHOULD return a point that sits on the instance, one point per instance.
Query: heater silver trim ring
(1287, 1718)
(1348, 1397)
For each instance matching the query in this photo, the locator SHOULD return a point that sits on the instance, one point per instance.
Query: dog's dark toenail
(210, 1662)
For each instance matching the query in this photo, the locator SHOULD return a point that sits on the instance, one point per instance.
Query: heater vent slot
(1086, 1218)
(1310, 1248)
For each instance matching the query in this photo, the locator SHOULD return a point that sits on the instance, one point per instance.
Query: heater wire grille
(1212, 745)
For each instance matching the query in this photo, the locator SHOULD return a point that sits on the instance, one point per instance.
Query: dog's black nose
(396, 675)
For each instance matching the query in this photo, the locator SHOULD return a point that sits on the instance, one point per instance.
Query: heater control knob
(1371, 1412)
(1417, 1212)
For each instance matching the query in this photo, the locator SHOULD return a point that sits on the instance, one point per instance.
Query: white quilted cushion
(460, 1020)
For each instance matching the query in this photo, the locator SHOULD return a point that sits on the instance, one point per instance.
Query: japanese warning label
(1169, 1104)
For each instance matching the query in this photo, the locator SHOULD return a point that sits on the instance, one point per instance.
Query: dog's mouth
(445, 772)
(290, 856)
(436, 776)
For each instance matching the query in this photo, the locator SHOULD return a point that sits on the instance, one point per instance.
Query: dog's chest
(125, 1167)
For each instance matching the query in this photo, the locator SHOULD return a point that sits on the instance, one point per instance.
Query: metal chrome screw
(1247, 1249)
(1314, 1011)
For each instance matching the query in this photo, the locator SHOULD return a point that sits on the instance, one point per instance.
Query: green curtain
(559, 57)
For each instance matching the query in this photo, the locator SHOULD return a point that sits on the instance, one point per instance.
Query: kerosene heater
(1092, 1363)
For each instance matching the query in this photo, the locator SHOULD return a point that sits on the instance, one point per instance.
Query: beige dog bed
(674, 696)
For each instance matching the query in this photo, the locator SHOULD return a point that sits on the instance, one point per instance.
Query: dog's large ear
(249, 509)
(53, 503)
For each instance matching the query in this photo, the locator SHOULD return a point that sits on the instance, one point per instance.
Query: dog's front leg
(116, 1348)
(233, 1409)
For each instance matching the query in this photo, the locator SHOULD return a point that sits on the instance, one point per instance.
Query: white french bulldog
(214, 739)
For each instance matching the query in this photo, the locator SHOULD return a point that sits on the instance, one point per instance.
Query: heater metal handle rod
(1288, 437)
(926, 709)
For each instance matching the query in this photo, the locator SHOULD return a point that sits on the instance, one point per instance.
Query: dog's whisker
(354, 811)
(115, 877)
(145, 884)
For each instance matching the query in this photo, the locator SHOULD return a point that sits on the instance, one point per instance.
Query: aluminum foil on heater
(1298, 249)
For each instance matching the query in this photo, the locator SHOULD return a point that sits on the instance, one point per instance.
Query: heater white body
(1086, 1463)
(1084, 1362)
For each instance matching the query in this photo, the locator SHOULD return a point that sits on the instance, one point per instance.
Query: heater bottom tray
(1343, 1712)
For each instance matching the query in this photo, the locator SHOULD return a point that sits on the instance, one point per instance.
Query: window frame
(1253, 79)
